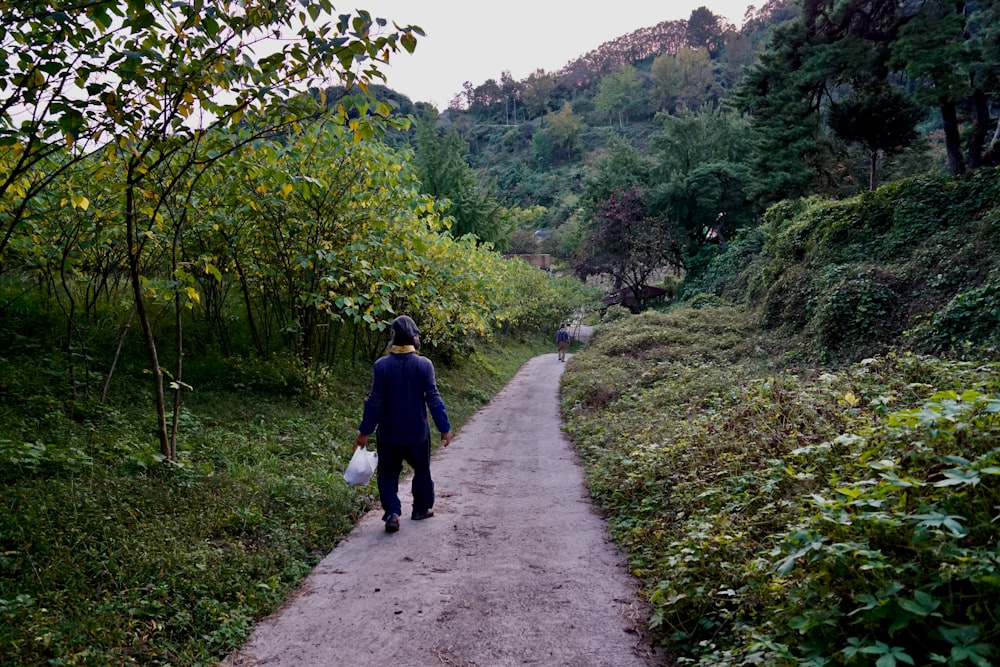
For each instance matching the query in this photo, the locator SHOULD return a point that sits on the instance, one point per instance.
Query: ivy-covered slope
(914, 263)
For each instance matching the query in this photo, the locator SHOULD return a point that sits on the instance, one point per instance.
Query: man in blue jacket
(403, 390)
(562, 341)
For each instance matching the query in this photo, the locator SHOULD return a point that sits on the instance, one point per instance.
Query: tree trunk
(977, 140)
(176, 413)
(179, 350)
(952, 142)
(247, 300)
(992, 155)
(134, 250)
(114, 359)
(872, 170)
(70, 320)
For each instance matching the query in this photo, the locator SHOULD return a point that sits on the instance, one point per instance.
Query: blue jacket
(403, 389)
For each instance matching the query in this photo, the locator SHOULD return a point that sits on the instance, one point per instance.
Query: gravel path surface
(515, 568)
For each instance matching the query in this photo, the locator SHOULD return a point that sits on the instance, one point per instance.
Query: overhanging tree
(701, 175)
(790, 155)
(943, 52)
(949, 50)
(153, 86)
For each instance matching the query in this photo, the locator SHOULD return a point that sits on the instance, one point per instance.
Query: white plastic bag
(361, 468)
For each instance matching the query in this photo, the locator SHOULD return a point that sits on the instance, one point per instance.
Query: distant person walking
(562, 341)
(403, 390)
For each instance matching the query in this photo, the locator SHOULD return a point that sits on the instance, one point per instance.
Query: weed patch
(782, 516)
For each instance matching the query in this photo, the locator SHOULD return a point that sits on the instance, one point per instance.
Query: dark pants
(390, 465)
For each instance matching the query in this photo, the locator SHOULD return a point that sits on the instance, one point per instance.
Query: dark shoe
(392, 523)
(420, 516)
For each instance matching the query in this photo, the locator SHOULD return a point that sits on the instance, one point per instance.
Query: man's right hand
(446, 439)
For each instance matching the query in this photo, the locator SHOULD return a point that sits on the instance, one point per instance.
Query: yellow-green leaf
(80, 202)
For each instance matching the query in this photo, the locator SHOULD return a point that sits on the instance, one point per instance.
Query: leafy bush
(703, 299)
(535, 302)
(615, 312)
(672, 284)
(970, 319)
(896, 556)
(787, 302)
(281, 372)
(723, 272)
(856, 309)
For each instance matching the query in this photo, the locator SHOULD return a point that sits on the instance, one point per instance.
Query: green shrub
(970, 319)
(615, 312)
(856, 309)
(704, 300)
(896, 556)
(723, 271)
(672, 284)
(787, 301)
(279, 373)
(932, 239)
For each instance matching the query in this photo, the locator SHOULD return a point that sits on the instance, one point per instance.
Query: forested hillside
(662, 146)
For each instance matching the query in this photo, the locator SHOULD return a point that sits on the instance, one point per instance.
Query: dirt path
(515, 568)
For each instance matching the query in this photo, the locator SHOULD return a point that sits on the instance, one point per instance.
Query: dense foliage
(274, 216)
(791, 517)
(913, 263)
(784, 514)
(793, 477)
(176, 206)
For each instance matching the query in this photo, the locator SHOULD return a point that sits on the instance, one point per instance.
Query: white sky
(476, 40)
